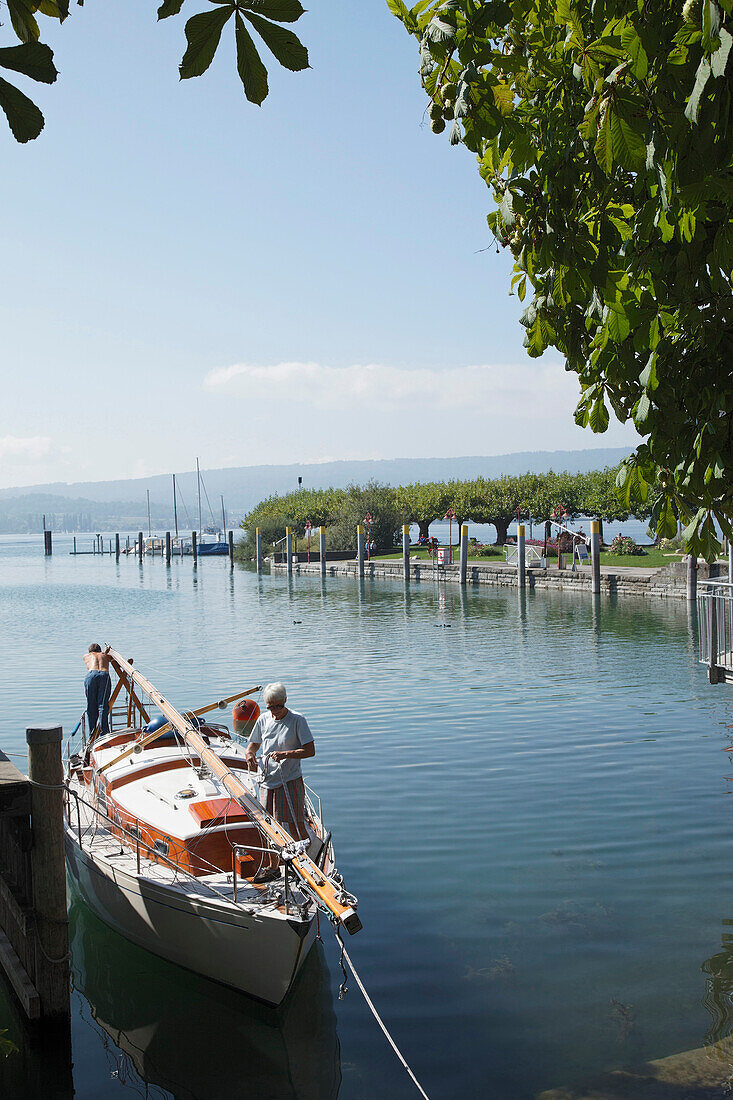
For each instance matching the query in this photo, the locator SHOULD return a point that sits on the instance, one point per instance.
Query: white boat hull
(257, 953)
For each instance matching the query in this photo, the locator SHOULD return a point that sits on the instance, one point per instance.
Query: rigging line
(185, 509)
(213, 521)
(377, 1017)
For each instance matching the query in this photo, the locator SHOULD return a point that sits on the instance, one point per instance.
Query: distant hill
(91, 505)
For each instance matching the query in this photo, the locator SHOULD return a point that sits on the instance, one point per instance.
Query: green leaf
(632, 44)
(667, 522)
(169, 7)
(598, 416)
(25, 119)
(203, 33)
(252, 72)
(23, 20)
(629, 147)
(32, 59)
(286, 46)
(648, 377)
(617, 323)
(641, 410)
(282, 11)
(604, 146)
(710, 24)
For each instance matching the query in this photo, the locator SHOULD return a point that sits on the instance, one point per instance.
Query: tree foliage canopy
(603, 129)
(496, 501)
(34, 59)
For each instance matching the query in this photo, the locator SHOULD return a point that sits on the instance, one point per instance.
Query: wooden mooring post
(322, 549)
(258, 548)
(47, 543)
(521, 558)
(140, 545)
(167, 548)
(194, 547)
(231, 549)
(34, 935)
(406, 551)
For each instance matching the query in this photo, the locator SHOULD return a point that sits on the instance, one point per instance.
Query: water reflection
(718, 998)
(197, 1039)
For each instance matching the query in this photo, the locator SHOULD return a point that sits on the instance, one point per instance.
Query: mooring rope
(376, 1015)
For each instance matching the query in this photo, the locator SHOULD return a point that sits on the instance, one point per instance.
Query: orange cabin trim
(217, 809)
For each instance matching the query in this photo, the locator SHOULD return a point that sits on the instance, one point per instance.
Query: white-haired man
(284, 739)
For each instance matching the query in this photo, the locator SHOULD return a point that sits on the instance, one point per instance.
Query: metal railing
(532, 555)
(715, 618)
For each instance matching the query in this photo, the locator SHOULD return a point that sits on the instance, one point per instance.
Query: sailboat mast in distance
(198, 482)
(175, 507)
(149, 529)
(223, 518)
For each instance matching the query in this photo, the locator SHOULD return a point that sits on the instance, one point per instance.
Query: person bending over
(284, 739)
(97, 687)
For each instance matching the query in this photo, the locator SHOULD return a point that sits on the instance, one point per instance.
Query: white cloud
(21, 450)
(303, 412)
(387, 388)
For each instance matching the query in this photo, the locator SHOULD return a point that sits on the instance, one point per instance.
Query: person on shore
(97, 687)
(284, 739)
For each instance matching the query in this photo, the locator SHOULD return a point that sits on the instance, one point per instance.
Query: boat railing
(134, 833)
(312, 795)
(715, 623)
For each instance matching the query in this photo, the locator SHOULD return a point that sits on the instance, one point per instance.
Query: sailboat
(165, 834)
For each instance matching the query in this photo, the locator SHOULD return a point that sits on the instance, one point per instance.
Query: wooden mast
(327, 892)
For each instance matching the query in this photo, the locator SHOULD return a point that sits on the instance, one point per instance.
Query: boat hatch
(213, 811)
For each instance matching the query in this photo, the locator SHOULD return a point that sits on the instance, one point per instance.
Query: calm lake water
(528, 794)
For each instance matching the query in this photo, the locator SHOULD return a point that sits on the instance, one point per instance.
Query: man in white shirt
(284, 739)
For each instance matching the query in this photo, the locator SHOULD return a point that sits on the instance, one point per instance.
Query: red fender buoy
(244, 716)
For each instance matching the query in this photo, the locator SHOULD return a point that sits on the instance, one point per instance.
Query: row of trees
(498, 501)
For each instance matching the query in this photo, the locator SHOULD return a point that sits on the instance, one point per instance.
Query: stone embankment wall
(669, 581)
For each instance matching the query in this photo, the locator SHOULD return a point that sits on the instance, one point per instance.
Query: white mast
(175, 508)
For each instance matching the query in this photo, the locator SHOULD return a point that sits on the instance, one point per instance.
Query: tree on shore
(602, 128)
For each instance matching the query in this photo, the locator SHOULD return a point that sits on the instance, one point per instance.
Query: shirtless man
(98, 687)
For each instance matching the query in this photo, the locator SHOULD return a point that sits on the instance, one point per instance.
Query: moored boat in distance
(165, 834)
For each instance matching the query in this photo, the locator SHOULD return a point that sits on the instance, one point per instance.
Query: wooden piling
(231, 549)
(194, 547)
(360, 548)
(289, 548)
(45, 770)
(322, 549)
(74, 544)
(140, 545)
(595, 556)
(258, 548)
(47, 544)
(117, 546)
(521, 559)
(406, 550)
(464, 554)
(167, 548)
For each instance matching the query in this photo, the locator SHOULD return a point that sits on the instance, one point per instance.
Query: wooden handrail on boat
(322, 887)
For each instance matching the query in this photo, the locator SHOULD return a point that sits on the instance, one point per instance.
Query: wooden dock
(34, 939)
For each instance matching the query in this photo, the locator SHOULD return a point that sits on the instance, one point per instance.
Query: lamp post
(450, 515)
(368, 521)
(308, 526)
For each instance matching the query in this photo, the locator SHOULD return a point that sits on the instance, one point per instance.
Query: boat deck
(101, 842)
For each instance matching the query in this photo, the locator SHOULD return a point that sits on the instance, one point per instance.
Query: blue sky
(187, 274)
